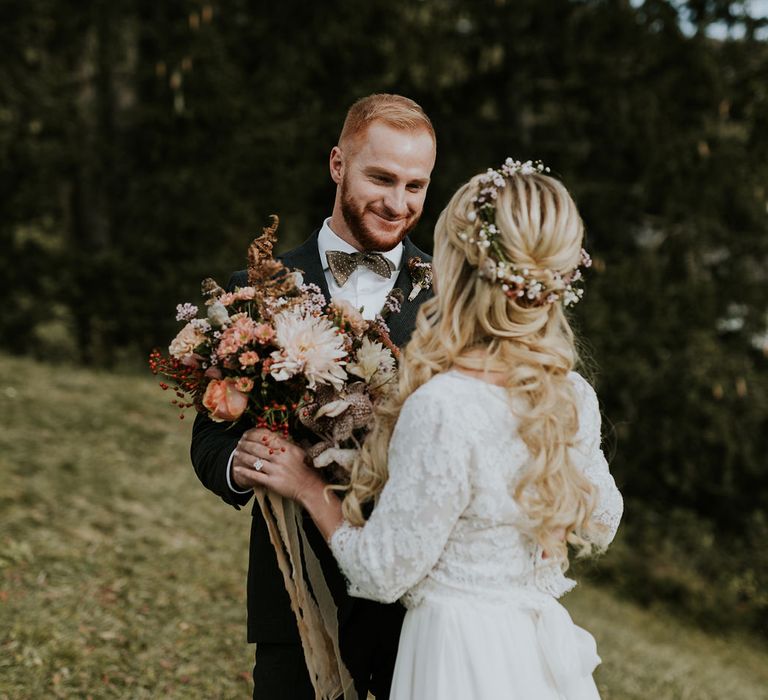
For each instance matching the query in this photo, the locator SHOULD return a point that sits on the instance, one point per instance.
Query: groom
(381, 167)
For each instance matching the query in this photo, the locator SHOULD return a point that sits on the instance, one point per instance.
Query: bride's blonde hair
(472, 324)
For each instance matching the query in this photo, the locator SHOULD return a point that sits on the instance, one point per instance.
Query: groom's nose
(395, 201)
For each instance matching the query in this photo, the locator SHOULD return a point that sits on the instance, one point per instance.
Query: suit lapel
(307, 259)
(401, 325)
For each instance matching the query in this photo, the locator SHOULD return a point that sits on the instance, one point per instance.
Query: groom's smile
(382, 177)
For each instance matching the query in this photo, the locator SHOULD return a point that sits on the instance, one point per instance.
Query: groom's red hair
(393, 110)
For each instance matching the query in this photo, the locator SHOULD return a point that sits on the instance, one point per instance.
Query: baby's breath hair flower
(528, 287)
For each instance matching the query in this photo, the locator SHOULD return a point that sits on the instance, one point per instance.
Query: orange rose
(223, 401)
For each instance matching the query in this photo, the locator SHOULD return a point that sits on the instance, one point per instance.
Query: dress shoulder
(588, 407)
(448, 387)
(584, 390)
(453, 398)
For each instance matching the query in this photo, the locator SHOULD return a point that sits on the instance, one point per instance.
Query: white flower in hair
(522, 285)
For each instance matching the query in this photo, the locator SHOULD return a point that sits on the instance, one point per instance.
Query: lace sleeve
(589, 456)
(427, 490)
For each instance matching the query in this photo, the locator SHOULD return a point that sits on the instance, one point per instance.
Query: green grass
(121, 577)
(649, 655)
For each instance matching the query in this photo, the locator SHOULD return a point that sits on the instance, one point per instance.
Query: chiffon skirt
(461, 649)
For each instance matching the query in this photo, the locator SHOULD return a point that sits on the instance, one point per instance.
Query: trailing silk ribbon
(310, 598)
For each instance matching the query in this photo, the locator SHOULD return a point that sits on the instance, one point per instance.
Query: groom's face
(383, 177)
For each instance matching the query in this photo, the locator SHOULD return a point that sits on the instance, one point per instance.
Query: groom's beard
(354, 217)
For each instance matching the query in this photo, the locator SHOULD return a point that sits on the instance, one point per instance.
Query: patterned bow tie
(342, 265)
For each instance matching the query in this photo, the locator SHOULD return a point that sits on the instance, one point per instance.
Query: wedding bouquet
(278, 354)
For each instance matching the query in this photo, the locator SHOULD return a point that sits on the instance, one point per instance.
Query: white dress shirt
(364, 288)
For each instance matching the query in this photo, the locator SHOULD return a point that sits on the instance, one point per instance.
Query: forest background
(143, 144)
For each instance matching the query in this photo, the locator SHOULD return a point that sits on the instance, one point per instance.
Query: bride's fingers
(267, 437)
(249, 451)
(252, 466)
(270, 477)
(263, 448)
(277, 451)
(250, 477)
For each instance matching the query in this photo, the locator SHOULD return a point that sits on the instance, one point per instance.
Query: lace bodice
(446, 522)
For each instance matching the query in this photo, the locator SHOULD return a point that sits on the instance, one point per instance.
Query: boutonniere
(421, 276)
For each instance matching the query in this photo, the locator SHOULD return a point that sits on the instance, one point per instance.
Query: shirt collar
(328, 240)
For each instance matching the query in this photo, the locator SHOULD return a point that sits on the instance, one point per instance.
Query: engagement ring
(258, 465)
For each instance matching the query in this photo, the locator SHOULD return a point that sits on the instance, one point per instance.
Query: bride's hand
(264, 458)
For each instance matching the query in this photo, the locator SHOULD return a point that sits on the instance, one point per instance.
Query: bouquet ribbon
(311, 600)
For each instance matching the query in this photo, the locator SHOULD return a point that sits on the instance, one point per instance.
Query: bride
(485, 464)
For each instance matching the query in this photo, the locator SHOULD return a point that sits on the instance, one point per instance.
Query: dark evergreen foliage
(143, 144)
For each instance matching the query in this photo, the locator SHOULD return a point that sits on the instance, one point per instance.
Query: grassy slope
(121, 577)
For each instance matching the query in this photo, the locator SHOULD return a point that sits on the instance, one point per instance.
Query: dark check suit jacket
(368, 631)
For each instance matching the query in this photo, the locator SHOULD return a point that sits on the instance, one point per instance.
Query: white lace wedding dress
(483, 621)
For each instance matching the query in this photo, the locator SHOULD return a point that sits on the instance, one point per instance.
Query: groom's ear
(337, 165)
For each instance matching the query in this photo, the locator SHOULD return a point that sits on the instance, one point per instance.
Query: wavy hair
(472, 324)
